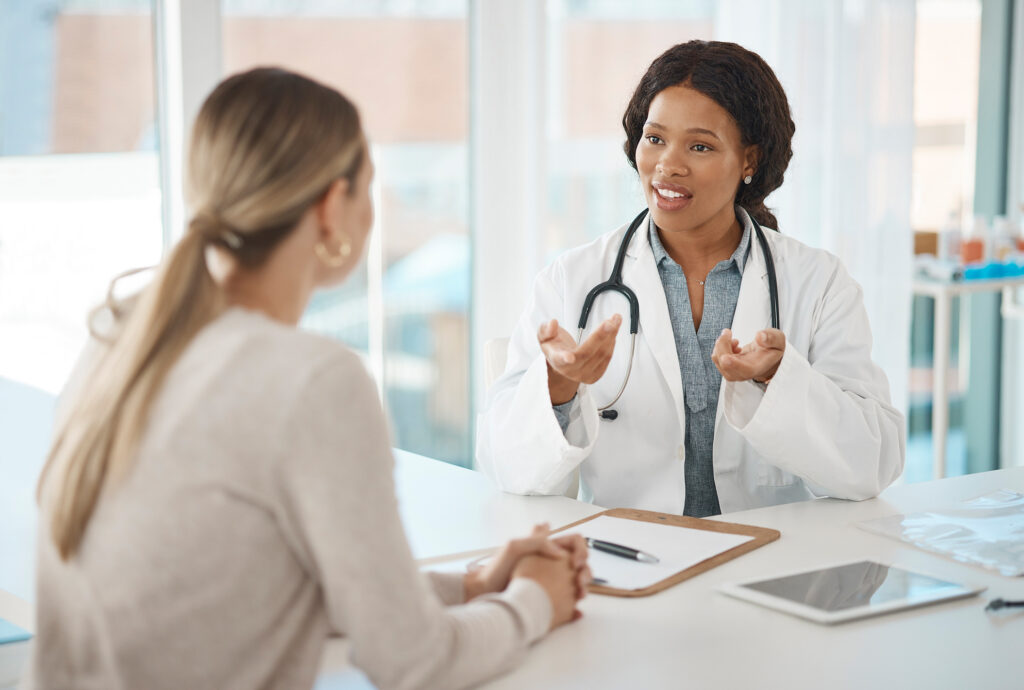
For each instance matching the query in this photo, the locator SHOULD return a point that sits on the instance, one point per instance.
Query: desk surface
(689, 635)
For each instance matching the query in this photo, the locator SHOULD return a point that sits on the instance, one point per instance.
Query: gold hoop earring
(339, 259)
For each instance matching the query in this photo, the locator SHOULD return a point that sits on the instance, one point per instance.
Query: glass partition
(79, 203)
(405, 66)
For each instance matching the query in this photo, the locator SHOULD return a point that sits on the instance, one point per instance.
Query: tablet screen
(854, 585)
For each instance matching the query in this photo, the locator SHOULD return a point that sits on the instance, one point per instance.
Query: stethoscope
(615, 283)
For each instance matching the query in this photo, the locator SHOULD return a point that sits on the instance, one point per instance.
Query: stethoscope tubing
(615, 283)
(629, 368)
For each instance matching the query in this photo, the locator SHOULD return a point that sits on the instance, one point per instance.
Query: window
(946, 60)
(597, 52)
(946, 72)
(405, 66)
(79, 203)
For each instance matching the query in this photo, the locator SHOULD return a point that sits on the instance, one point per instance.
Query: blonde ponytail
(266, 145)
(182, 299)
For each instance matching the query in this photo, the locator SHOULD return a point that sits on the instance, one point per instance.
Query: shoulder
(804, 263)
(301, 350)
(590, 257)
(288, 361)
(608, 242)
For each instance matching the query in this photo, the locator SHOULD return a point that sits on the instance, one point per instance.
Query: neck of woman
(697, 250)
(281, 286)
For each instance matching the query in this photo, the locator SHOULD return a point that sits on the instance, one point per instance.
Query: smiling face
(691, 160)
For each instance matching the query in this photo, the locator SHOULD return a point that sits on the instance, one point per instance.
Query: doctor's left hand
(495, 575)
(757, 360)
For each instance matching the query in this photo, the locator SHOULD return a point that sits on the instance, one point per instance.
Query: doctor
(715, 410)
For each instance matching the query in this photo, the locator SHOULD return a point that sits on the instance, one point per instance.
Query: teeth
(669, 194)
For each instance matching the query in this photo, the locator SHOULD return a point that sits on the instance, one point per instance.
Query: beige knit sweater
(260, 517)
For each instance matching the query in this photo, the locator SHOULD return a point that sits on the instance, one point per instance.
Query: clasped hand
(558, 564)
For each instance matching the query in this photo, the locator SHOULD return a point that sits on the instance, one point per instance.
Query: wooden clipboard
(761, 536)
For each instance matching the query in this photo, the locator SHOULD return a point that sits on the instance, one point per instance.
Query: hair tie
(232, 239)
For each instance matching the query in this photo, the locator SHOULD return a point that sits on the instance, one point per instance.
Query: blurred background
(496, 130)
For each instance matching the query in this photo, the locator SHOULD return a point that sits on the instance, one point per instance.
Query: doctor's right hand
(570, 364)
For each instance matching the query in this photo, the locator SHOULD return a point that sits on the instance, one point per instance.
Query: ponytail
(761, 213)
(265, 146)
(95, 443)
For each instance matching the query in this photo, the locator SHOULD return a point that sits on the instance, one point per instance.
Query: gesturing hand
(570, 364)
(757, 360)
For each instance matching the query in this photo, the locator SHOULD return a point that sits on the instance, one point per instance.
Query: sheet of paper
(677, 548)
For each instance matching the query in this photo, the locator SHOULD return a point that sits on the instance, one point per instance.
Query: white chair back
(495, 356)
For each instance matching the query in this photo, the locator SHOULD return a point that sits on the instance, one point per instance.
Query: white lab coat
(825, 426)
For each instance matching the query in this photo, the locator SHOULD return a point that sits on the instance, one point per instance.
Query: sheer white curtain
(847, 67)
(1012, 442)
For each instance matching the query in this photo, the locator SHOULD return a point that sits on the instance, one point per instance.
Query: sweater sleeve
(449, 587)
(339, 510)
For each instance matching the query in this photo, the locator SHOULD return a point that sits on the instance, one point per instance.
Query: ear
(330, 209)
(751, 159)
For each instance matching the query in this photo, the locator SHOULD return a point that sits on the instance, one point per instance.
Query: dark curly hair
(742, 83)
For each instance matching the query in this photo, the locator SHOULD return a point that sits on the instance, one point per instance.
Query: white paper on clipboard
(986, 531)
(677, 549)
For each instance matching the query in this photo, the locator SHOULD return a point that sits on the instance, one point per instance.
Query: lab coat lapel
(641, 274)
(753, 306)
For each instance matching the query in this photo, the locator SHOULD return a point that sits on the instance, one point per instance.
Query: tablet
(848, 591)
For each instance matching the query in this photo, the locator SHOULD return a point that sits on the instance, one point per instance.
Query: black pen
(997, 604)
(619, 550)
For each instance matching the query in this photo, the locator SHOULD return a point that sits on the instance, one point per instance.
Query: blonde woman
(219, 497)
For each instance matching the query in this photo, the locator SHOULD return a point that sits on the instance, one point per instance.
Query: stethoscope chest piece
(615, 283)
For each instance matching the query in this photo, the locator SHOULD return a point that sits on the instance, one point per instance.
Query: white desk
(943, 293)
(691, 636)
(449, 510)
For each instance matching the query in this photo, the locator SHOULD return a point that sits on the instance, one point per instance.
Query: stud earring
(748, 179)
(344, 250)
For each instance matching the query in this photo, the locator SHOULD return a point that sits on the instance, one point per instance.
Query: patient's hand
(496, 574)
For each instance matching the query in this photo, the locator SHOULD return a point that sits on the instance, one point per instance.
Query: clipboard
(761, 536)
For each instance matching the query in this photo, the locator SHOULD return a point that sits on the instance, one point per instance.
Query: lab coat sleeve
(520, 444)
(826, 417)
